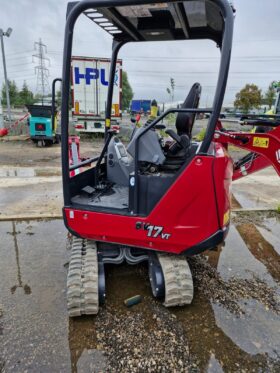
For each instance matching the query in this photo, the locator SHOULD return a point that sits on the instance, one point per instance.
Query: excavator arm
(264, 147)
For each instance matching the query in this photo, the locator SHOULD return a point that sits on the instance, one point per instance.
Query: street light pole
(1, 113)
(2, 34)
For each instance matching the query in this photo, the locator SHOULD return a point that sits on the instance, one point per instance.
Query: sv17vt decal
(153, 231)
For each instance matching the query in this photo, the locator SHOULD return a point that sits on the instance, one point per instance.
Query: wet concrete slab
(260, 190)
(34, 191)
(232, 325)
(262, 249)
(32, 287)
(30, 196)
(17, 172)
(26, 154)
(27, 172)
(236, 260)
(270, 230)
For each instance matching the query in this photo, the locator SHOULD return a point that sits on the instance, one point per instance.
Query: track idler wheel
(156, 276)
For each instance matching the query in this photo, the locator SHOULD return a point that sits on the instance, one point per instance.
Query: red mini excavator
(148, 201)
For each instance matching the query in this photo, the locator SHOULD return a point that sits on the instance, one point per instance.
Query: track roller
(83, 280)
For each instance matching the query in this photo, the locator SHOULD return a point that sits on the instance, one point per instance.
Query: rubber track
(82, 279)
(178, 280)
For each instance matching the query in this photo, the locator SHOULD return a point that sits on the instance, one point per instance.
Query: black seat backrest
(185, 121)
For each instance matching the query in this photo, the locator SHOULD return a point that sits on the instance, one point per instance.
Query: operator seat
(185, 121)
(180, 150)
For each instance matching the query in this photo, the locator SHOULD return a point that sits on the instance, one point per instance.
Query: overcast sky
(256, 50)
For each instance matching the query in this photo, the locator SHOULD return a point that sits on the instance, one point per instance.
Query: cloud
(255, 56)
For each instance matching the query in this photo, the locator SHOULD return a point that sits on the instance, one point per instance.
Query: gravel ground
(25, 153)
(253, 217)
(153, 332)
(227, 293)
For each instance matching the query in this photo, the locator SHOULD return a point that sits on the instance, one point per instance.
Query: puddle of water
(214, 366)
(91, 361)
(263, 339)
(212, 347)
(81, 339)
(271, 232)
(204, 336)
(261, 249)
(26, 288)
(35, 336)
(237, 261)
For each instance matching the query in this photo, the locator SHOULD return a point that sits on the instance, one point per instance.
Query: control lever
(183, 141)
(174, 135)
(160, 126)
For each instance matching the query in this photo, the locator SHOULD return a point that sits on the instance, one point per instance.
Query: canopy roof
(170, 20)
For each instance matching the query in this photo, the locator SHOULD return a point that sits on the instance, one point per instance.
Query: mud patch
(82, 337)
(253, 217)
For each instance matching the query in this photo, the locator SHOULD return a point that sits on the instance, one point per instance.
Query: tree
(25, 95)
(58, 97)
(270, 94)
(13, 91)
(248, 98)
(170, 90)
(127, 92)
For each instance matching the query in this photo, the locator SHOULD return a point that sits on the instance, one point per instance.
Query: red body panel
(191, 211)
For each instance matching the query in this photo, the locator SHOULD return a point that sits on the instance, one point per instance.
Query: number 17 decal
(156, 231)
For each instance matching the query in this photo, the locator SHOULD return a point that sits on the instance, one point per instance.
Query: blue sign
(89, 75)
